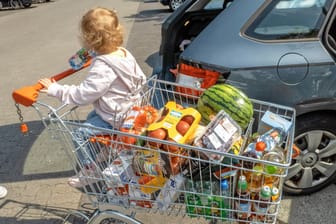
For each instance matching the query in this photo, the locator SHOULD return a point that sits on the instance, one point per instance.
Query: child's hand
(46, 82)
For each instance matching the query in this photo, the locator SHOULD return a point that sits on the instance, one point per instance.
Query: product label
(260, 209)
(243, 208)
(215, 141)
(189, 81)
(118, 173)
(129, 121)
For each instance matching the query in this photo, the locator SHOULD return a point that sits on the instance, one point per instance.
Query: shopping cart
(145, 174)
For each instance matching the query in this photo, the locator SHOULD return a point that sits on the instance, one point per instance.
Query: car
(280, 51)
(173, 4)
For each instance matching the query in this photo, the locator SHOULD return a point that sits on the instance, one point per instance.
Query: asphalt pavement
(35, 43)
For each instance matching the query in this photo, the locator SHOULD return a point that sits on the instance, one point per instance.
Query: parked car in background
(173, 4)
(281, 51)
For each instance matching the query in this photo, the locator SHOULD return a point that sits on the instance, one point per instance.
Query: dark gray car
(173, 4)
(280, 51)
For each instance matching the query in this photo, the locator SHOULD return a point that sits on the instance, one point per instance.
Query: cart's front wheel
(111, 217)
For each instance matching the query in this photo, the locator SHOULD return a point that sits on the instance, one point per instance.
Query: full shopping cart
(137, 173)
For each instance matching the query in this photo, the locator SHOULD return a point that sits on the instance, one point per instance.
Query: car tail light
(195, 78)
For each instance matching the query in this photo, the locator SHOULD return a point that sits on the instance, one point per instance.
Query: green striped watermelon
(228, 98)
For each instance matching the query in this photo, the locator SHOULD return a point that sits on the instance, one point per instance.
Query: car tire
(26, 3)
(174, 4)
(313, 169)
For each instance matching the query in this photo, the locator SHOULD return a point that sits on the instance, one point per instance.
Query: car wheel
(26, 3)
(315, 167)
(174, 4)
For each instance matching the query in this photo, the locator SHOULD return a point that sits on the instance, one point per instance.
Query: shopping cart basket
(146, 174)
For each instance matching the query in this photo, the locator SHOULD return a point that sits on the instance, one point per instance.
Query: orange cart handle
(28, 95)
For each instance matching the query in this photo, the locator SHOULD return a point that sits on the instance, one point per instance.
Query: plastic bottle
(249, 152)
(81, 57)
(261, 203)
(275, 193)
(225, 190)
(255, 180)
(193, 200)
(214, 207)
(276, 155)
(242, 203)
(170, 192)
(271, 138)
(253, 170)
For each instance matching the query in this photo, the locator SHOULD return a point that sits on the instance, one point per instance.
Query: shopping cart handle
(28, 95)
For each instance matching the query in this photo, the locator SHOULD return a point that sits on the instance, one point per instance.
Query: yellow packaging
(172, 115)
(153, 185)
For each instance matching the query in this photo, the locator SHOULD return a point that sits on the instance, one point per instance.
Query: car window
(289, 19)
(214, 4)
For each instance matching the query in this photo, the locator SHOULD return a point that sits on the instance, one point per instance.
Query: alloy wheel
(316, 163)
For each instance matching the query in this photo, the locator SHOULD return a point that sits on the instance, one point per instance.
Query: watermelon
(228, 98)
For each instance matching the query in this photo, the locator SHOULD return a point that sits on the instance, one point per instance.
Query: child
(113, 78)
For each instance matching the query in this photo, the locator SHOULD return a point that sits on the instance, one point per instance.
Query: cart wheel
(111, 217)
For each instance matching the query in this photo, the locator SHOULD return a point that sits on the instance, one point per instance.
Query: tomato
(188, 118)
(128, 139)
(176, 164)
(260, 146)
(159, 133)
(182, 127)
(179, 106)
(171, 148)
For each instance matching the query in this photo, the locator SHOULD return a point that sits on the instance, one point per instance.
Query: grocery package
(136, 122)
(138, 196)
(220, 134)
(177, 125)
(271, 120)
(171, 191)
(189, 76)
(120, 171)
(149, 167)
(203, 199)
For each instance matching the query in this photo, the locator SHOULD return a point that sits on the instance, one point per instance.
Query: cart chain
(24, 127)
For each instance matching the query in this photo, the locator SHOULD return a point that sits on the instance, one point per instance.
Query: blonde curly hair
(101, 31)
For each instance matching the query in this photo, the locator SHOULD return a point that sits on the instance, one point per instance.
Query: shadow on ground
(32, 157)
(31, 213)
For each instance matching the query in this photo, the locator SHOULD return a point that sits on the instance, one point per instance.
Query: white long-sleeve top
(109, 86)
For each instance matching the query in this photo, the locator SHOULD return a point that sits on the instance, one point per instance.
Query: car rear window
(291, 19)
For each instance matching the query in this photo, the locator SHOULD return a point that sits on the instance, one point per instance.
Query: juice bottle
(275, 193)
(249, 152)
(242, 203)
(255, 180)
(261, 203)
(272, 171)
